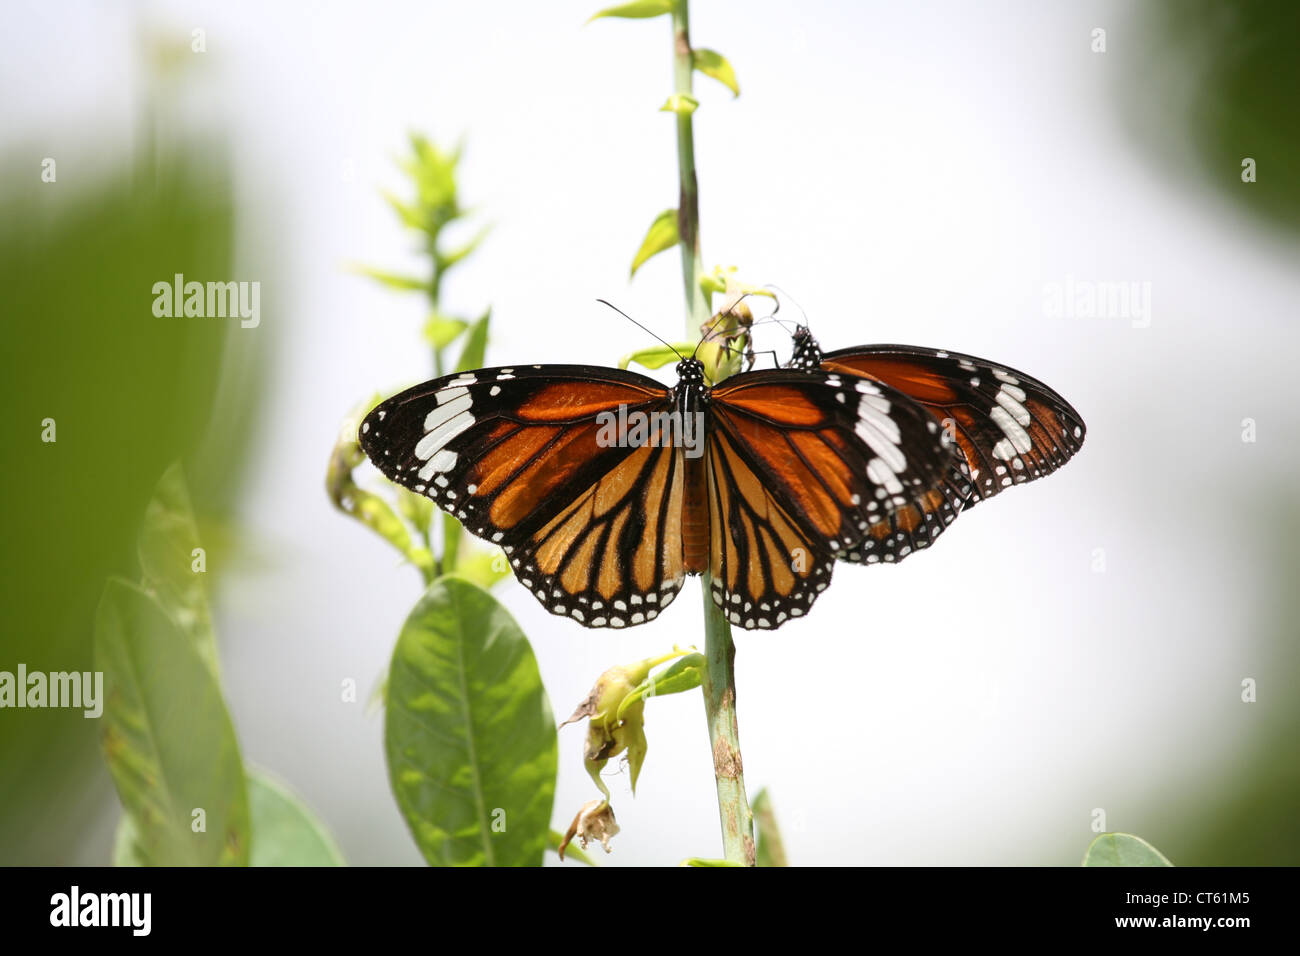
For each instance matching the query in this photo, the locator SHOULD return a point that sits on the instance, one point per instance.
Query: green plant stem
(720, 677)
(688, 204)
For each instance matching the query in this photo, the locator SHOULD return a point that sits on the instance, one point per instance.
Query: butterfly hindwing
(914, 528)
(763, 567)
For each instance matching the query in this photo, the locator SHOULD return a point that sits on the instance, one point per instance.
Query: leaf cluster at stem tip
(428, 539)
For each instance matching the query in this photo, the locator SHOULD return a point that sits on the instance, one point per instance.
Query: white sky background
(909, 173)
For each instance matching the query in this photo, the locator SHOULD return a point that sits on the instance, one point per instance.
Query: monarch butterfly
(1010, 428)
(763, 480)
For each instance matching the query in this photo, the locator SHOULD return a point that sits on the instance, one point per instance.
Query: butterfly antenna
(717, 319)
(712, 328)
(784, 323)
(778, 289)
(640, 326)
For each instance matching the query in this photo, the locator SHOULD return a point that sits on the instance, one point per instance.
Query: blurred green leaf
(656, 356)
(1123, 849)
(130, 391)
(167, 737)
(637, 10)
(126, 851)
(168, 539)
(471, 357)
(409, 215)
(441, 332)
(393, 280)
(458, 255)
(469, 733)
(284, 831)
(714, 64)
(661, 235)
(682, 104)
(1217, 83)
(771, 849)
(433, 171)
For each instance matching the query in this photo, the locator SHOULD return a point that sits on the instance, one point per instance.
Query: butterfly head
(807, 353)
(690, 371)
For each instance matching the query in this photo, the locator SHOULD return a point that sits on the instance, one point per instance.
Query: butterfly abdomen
(695, 518)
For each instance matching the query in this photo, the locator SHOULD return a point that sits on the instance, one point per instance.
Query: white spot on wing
(1018, 437)
(444, 460)
(881, 474)
(444, 433)
(445, 413)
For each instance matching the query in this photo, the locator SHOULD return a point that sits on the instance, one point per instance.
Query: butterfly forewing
(1010, 427)
(591, 527)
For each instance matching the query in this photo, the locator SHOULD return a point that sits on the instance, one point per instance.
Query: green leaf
(1123, 849)
(471, 357)
(656, 356)
(167, 737)
(393, 280)
(725, 280)
(166, 545)
(458, 255)
(434, 173)
(700, 861)
(440, 331)
(637, 10)
(685, 673)
(285, 831)
(571, 852)
(771, 849)
(714, 64)
(713, 283)
(661, 235)
(409, 215)
(683, 104)
(469, 733)
(126, 850)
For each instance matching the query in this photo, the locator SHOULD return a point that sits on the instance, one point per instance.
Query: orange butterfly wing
(591, 527)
